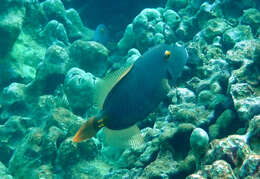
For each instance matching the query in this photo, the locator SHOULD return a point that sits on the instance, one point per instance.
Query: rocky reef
(208, 127)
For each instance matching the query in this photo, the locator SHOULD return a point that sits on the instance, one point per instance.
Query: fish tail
(87, 130)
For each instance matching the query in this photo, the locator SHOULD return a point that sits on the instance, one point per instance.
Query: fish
(127, 95)
(101, 34)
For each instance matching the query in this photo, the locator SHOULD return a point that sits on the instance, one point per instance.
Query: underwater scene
(129, 89)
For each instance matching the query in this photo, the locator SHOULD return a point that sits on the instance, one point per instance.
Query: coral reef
(207, 127)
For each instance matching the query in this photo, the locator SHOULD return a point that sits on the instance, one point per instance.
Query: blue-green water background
(53, 53)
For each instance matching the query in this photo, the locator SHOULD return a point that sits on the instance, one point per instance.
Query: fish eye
(167, 55)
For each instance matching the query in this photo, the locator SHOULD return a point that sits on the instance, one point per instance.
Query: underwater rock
(251, 17)
(4, 172)
(12, 132)
(67, 153)
(34, 17)
(214, 56)
(180, 141)
(244, 81)
(236, 34)
(44, 171)
(29, 48)
(205, 97)
(206, 12)
(132, 55)
(55, 62)
(248, 107)
(245, 102)
(8, 75)
(244, 59)
(149, 28)
(14, 93)
(124, 173)
(88, 150)
(253, 133)
(148, 155)
(50, 72)
(215, 27)
(187, 116)
(163, 167)
(162, 131)
(85, 169)
(185, 167)
(122, 158)
(159, 38)
(232, 149)
(186, 29)
(55, 10)
(55, 33)
(199, 141)
(219, 169)
(89, 56)
(56, 59)
(174, 149)
(75, 27)
(250, 167)
(171, 18)
(80, 83)
(185, 95)
(217, 41)
(51, 142)
(41, 145)
(128, 40)
(143, 25)
(47, 103)
(12, 16)
(27, 155)
(27, 54)
(195, 83)
(188, 113)
(223, 125)
(63, 119)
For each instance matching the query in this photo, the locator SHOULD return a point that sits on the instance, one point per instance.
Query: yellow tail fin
(86, 131)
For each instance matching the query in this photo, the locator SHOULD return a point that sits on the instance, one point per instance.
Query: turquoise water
(61, 60)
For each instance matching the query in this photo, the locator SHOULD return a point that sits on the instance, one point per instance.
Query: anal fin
(125, 138)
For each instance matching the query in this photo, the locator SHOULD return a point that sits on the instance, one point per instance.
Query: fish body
(101, 34)
(138, 91)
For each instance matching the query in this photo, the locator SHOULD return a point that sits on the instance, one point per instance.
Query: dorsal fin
(105, 85)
